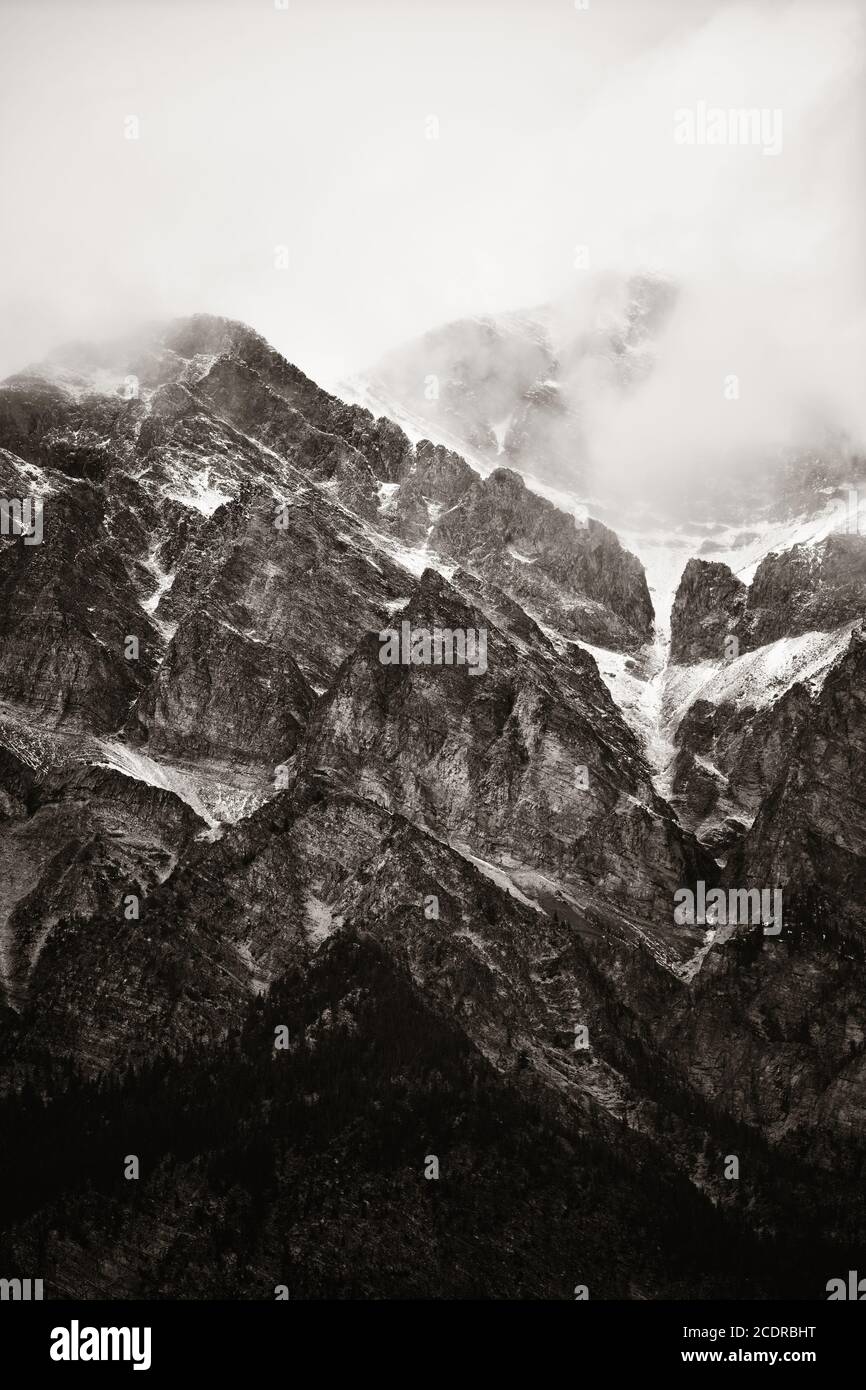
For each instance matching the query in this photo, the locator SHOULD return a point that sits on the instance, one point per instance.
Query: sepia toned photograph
(432, 662)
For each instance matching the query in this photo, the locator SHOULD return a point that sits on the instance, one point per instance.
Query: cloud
(766, 346)
(308, 128)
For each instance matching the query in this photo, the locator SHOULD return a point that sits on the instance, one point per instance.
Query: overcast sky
(307, 127)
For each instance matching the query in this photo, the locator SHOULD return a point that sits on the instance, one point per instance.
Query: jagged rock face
(231, 501)
(80, 438)
(236, 392)
(809, 832)
(707, 608)
(17, 785)
(185, 448)
(91, 837)
(65, 625)
(265, 897)
(579, 580)
(771, 1031)
(529, 757)
(805, 589)
(437, 479)
(242, 611)
(296, 578)
(729, 757)
(245, 358)
(732, 751)
(248, 705)
(301, 868)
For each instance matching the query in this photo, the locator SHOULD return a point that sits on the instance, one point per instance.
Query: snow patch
(417, 559)
(758, 678)
(496, 874)
(201, 497)
(523, 559)
(214, 800)
(164, 581)
(500, 429)
(319, 919)
(145, 769)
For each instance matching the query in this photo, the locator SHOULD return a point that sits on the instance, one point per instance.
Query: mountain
(747, 662)
(512, 388)
(325, 728)
(599, 395)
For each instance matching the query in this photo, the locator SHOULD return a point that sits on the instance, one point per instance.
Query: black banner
(161, 1339)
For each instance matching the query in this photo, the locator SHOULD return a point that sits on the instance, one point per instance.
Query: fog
(343, 176)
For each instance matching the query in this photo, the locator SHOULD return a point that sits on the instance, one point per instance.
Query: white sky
(306, 127)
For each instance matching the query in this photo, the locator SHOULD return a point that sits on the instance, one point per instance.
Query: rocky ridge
(267, 790)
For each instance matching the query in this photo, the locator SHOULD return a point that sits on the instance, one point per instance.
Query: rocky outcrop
(234, 350)
(81, 437)
(578, 579)
(808, 588)
(707, 609)
(734, 740)
(728, 758)
(809, 834)
(526, 760)
(89, 838)
(223, 695)
(75, 645)
(435, 482)
(298, 577)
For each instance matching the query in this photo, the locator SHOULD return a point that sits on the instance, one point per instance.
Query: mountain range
(285, 922)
